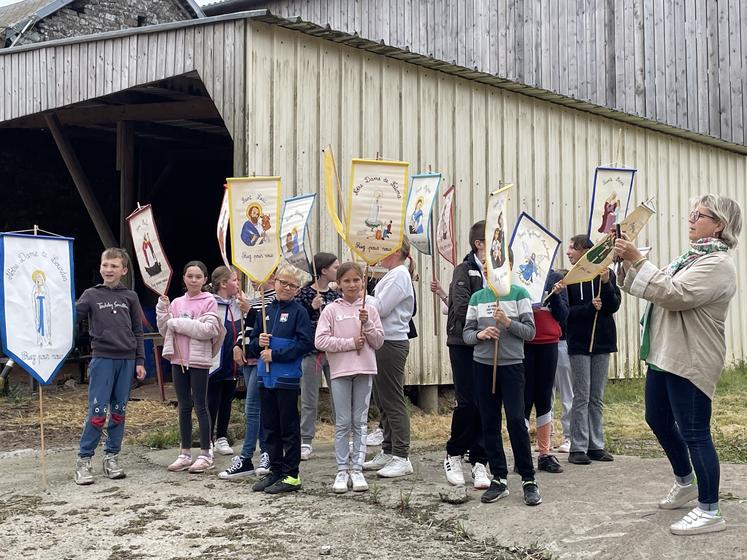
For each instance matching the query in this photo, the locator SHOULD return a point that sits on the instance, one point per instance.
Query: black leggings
(220, 397)
(191, 392)
(540, 362)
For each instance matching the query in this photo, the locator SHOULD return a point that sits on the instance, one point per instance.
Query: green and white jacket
(517, 304)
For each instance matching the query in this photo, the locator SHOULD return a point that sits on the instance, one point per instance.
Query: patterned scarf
(697, 249)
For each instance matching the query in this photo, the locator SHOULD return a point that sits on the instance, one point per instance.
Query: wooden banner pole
(41, 426)
(434, 265)
(495, 364)
(596, 316)
(264, 320)
(365, 290)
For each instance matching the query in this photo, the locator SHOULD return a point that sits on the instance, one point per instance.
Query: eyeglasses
(695, 215)
(285, 284)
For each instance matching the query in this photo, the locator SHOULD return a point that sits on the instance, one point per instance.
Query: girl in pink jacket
(349, 333)
(192, 335)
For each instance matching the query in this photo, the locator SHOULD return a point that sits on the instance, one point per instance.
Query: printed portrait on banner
(149, 254)
(376, 208)
(296, 213)
(254, 210)
(498, 266)
(38, 298)
(534, 248)
(445, 228)
(422, 194)
(610, 195)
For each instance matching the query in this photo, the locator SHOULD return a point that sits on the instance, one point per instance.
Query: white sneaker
(379, 461)
(453, 470)
(341, 482)
(697, 522)
(679, 495)
(480, 478)
(222, 448)
(359, 481)
(375, 438)
(564, 447)
(264, 465)
(398, 466)
(306, 451)
(83, 471)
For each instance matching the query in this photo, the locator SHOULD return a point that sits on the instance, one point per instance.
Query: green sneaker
(287, 484)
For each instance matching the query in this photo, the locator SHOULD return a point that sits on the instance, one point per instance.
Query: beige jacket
(689, 312)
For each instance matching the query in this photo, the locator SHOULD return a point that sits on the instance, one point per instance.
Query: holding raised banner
(151, 258)
(296, 214)
(422, 194)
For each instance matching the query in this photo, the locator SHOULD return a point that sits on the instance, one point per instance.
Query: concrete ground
(598, 511)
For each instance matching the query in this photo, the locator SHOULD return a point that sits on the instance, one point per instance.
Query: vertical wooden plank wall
(648, 58)
(475, 134)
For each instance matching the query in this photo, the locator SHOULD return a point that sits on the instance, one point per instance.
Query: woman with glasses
(684, 345)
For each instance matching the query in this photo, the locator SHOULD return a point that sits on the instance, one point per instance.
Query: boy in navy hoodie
(281, 346)
(114, 322)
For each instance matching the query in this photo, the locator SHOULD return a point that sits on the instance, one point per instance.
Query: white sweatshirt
(395, 302)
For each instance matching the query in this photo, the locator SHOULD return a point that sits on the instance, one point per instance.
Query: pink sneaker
(202, 463)
(182, 463)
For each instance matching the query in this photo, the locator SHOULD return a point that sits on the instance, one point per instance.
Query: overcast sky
(6, 2)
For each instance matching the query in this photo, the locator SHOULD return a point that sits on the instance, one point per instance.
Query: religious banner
(222, 229)
(496, 244)
(293, 230)
(534, 248)
(376, 208)
(254, 209)
(610, 194)
(445, 242)
(423, 190)
(37, 302)
(600, 255)
(151, 258)
(330, 181)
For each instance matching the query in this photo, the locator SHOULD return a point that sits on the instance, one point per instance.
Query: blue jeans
(254, 429)
(679, 414)
(109, 383)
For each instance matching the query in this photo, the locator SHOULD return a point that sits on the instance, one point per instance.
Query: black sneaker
(531, 493)
(549, 463)
(578, 458)
(600, 455)
(240, 467)
(265, 482)
(496, 491)
(287, 484)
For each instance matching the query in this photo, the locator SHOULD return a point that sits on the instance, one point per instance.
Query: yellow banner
(496, 242)
(329, 191)
(254, 208)
(376, 208)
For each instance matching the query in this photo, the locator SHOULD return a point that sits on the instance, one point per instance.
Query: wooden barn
(537, 94)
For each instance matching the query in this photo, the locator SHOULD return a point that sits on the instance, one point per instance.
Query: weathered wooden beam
(126, 168)
(81, 180)
(200, 108)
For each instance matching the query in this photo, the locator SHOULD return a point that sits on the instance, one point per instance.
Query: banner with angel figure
(293, 230)
(151, 258)
(423, 190)
(600, 255)
(496, 242)
(534, 248)
(254, 209)
(222, 229)
(37, 303)
(445, 230)
(610, 195)
(376, 208)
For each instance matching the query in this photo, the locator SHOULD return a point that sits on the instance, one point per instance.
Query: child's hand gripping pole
(363, 306)
(264, 323)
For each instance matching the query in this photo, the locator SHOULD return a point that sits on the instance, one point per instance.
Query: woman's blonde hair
(221, 274)
(727, 211)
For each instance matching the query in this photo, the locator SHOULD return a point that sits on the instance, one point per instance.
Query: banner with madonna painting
(610, 196)
(534, 248)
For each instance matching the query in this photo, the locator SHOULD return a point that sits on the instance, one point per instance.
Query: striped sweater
(517, 304)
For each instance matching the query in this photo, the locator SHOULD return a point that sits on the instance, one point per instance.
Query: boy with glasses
(280, 348)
